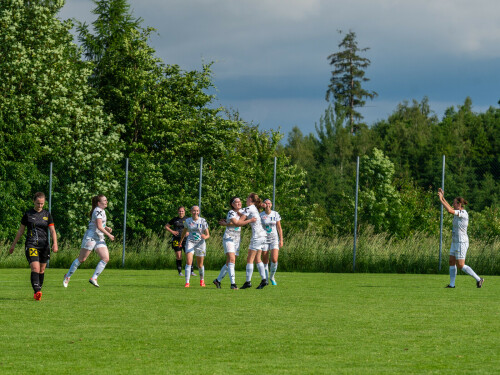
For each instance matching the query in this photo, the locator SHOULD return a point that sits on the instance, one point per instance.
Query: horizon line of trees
(88, 108)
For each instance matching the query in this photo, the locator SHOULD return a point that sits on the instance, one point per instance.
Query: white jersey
(195, 228)
(257, 229)
(460, 223)
(92, 230)
(232, 232)
(269, 223)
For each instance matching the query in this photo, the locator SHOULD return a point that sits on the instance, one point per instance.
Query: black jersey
(37, 224)
(177, 224)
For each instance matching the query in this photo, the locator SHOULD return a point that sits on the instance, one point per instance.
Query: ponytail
(462, 201)
(256, 201)
(95, 200)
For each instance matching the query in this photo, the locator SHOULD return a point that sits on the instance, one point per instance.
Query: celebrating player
(94, 240)
(271, 220)
(39, 222)
(459, 239)
(231, 240)
(198, 233)
(175, 227)
(257, 242)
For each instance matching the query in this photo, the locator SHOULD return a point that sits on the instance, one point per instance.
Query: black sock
(179, 265)
(41, 276)
(35, 281)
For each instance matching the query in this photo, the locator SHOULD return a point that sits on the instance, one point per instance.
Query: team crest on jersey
(45, 218)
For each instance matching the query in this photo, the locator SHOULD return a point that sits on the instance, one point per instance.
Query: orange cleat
(38, 296)
(186, 285)
(202, 283)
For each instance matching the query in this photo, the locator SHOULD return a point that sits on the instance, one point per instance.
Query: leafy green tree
(49, 113)
(345, 86)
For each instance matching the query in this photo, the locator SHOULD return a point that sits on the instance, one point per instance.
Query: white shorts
(257, 243)
(459, 249)
(199, 248)
(274, 244)
(92, 241)
(231, 245)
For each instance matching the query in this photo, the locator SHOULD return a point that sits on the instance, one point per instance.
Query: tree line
(88, 107)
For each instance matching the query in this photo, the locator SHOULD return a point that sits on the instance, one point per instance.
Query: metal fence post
(201, 179)
(441, 218)
(274, 183)
(50, 206)
(355, 216)
(125, 213)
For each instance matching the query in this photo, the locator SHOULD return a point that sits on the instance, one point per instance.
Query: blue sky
(271, 55)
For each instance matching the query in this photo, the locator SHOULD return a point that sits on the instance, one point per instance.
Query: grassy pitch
(146, 322)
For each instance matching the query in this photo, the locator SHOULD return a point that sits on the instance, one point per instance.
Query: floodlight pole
(274, 183)
(201, 179)
(441, 218)
(50, 205)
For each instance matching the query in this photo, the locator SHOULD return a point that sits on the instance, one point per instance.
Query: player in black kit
(39, 222)
(175, 227)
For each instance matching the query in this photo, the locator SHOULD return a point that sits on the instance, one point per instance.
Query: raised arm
(444, 202)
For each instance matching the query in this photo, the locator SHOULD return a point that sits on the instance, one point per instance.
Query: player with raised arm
(459, 239)
(39, 223)
(93, 239)
(257, 242)
(235, 219)
(198, 233)
(271, 220)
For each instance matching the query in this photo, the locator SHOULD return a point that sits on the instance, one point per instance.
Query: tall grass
(302, 252)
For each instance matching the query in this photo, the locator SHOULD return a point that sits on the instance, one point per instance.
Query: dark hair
(256, 201)
(462, 201)
(37, 195)
(231, 201)
(95, 199)
(178, 208)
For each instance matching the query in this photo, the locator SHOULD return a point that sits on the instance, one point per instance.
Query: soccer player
(231, 240)
(257, 242)
(175, 227)
(198, 233)
(459, 239)
(39, 222)
(271, 220)
(93, 239)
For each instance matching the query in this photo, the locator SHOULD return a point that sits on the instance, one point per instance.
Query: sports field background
(143, 321)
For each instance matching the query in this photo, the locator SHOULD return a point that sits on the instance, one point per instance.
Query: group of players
(189, 234)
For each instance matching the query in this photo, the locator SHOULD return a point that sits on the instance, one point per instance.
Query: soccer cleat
(192, 273)
(480, 283)
(94, 282)
(186, 285)
(234, 286)
(181, 274)
(262, 284)
(449, 286)
(65, 281)
(247, 284)
(202, 283)
(217, 283)
(273, 282)
(38, 296)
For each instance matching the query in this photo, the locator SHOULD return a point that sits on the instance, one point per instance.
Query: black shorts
(37, 254)
(175, 245)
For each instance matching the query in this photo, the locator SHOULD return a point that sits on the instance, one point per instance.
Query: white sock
(470, 271)
(262, 270)
(266, 267)
(76, 263)
(232, 275)
(223, 272)
(274, 268)
(202, 272)
(453, 275)
(188, 272)
(100, 267)
(249, 271)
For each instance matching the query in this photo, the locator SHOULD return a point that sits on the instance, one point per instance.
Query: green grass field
(146, 322)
